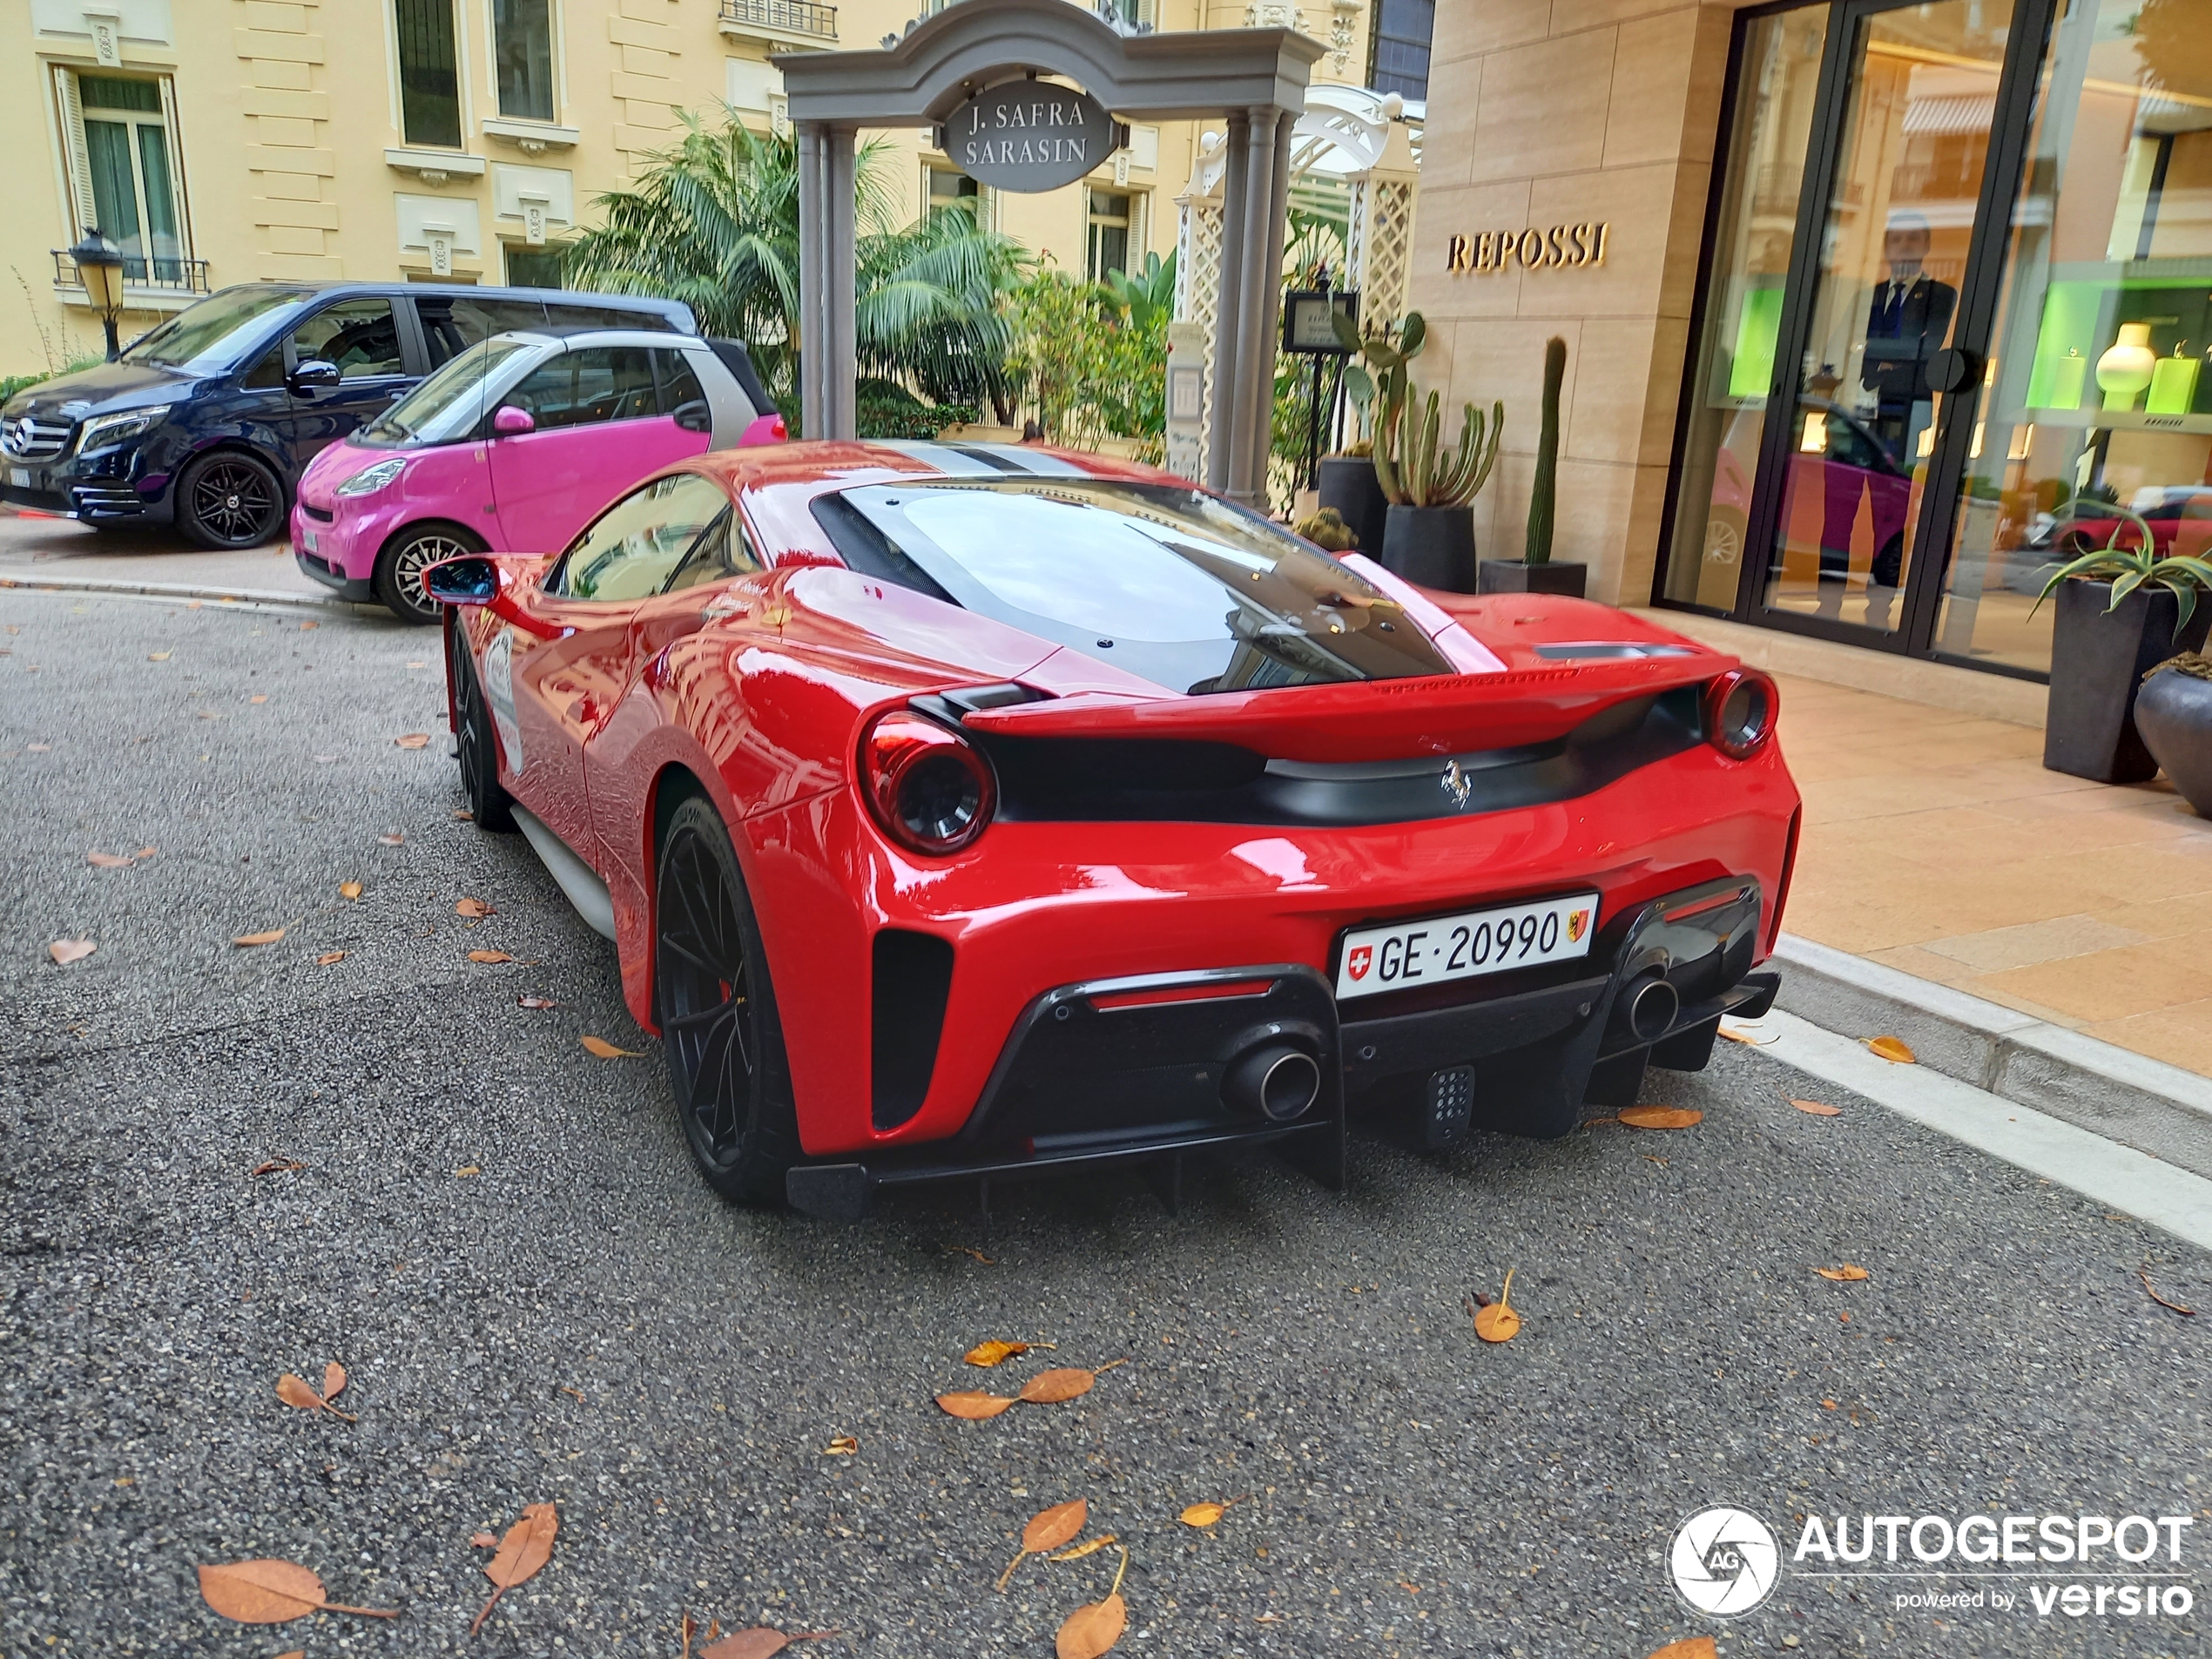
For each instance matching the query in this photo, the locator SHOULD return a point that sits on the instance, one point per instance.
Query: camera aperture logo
(1724, 1560)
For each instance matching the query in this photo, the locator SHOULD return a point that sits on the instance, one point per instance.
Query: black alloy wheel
(229, 500)
(476, 745)
(717, 1009)
(399, 567)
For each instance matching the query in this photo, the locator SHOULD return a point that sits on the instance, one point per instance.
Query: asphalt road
(580, 1321)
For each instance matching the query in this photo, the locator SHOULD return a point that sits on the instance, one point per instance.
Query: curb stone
(2125, 1096)
(175, 590)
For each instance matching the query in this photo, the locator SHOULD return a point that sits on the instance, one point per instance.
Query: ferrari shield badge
(1362, 957)
(1576, 921)
(1455, 783)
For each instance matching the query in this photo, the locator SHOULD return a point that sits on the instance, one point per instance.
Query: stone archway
(1256, 78)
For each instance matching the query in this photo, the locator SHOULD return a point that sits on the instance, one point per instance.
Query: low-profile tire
(476, 744)
(230, 499)
(398, 577)
(716, 1008)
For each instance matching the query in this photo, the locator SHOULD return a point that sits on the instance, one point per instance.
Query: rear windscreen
(1160, 580)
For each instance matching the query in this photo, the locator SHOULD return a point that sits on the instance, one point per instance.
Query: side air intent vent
(914, 975)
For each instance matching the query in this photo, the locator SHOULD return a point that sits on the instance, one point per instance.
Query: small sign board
(1309, 327)
(1030, 135)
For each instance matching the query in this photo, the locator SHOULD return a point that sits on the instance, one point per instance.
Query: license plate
(308, 540)
(19, 477)
(1464, 946)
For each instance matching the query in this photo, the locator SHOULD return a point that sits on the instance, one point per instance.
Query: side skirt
(570, 874)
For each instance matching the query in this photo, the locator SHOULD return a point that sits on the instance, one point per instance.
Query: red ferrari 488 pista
(965, 810)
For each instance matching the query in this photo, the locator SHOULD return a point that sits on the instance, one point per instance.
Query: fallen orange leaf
(65, 951)
(1089, 1547)
(760, 1643)
(1689, 1647)
(268, 938)
(1846, 1273)
(972, 1406)
(467, 1169)
(1206, 1514)
(349, 890)
(1891, 1049)
(391, 841)
(489, 956)
(413, 740)
(535, 1002)
(607, 1051)
(107, 861)
(1047, 1531)
(1499, 1322)
(270, 1592)
(329, 957)
(1094, 1628)
(1662, 1117)
(1050, 1387)
(843, 1445)
(276, 1166)
(992, 1353)
(1817, 1108)
(528, 1546)
(258, 698)
(472, 908)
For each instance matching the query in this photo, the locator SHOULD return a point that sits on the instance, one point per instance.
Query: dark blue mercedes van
(208, 421)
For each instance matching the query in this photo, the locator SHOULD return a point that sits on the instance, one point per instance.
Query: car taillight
(926, 782)
(1740, 709)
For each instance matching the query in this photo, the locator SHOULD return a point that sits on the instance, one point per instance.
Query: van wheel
(399, 567)
(229, 500)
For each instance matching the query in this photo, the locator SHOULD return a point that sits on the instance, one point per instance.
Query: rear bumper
(1146, 1069)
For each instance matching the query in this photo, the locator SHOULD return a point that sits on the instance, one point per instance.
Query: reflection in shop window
(2099, 394)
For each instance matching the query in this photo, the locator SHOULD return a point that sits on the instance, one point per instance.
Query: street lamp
(99, 266)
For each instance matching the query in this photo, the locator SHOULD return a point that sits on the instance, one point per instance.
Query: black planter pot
(1430, 547)
(1514, 576)
(2174, 714)
(2098, 661)
(1348, 484)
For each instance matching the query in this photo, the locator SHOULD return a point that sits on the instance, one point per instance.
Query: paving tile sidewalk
(1936, 843)
(33, 545)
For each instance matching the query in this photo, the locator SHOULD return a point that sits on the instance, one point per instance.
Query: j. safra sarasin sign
(1030, 135)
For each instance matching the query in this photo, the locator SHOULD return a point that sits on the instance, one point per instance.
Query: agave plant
(2128, 569)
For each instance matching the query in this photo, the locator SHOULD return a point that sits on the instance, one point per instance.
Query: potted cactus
(1535, 571)
(1347, 481)
(1428, 535)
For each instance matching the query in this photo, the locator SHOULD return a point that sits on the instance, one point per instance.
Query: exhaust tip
(1652, 1007)
(1277, 1082)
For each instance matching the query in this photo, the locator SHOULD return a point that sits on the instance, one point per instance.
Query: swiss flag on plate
(1361, 956)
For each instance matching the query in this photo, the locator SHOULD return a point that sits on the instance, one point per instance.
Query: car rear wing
(1368, 719)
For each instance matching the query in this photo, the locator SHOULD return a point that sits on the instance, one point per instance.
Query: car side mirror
(471, 580)
(511, 422)
(313, 374)
(695, 416)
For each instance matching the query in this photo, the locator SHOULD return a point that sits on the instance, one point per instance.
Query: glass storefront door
(2097, 394)
(1968, 246)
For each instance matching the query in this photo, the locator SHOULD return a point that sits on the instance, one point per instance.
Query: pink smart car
(511, 448)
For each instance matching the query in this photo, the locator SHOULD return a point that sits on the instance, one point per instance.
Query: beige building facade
(1876, 313)
(227, 141)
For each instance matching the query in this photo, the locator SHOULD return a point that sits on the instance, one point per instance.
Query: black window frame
(416, 23)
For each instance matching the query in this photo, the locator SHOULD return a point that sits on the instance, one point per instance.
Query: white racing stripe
(2114, 1175)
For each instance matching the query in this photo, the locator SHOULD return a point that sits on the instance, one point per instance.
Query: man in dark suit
(1907, 319)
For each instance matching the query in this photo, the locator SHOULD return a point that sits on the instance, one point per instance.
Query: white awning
(1971, 113)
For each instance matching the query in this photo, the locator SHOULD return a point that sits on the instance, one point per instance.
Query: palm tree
(714, 222)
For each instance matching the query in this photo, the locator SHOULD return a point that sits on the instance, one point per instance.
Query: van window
(568, 318)
(452, 323)
(358, 335)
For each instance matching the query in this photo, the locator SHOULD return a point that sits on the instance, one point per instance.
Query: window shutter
(1148, 13)
(177, 165)
(75, 160)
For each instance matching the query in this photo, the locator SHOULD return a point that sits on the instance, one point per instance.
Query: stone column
(1271, 313)
(814, 342)
(840, 395)
(1220, 440)
(1247, 397)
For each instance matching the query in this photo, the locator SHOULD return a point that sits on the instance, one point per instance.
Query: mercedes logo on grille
(18, 434)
